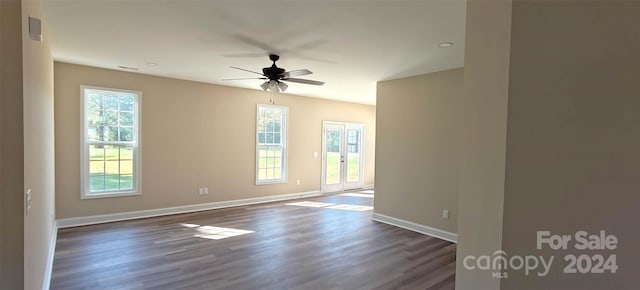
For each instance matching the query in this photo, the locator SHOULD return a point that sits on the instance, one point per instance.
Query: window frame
(284, 128)
(85, 192)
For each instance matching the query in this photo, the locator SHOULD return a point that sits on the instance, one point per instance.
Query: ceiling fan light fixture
(273, 86)
(265, 86)
(283, 87)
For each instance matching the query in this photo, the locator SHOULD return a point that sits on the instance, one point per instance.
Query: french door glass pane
(353, 167)
(333, 157)
(353, 156)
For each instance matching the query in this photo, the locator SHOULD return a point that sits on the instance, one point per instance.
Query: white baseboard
(52, 250)
(368, 186)
(444, 235)
(98, 219)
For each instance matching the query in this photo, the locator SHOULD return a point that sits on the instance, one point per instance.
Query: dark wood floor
(321, 243)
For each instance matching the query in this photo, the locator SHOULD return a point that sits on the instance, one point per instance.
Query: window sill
(271, 182)
(107, 195)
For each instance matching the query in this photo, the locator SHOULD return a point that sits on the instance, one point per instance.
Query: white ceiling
(348, 44)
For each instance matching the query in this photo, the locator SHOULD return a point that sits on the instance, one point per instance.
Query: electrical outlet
(445, 214)
(298, 182)
(200, 191)
(206, 190)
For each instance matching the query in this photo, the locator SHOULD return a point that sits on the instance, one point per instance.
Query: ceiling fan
(276, 76)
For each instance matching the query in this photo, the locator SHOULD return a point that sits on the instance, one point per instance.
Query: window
(110, 142)
(271, 144)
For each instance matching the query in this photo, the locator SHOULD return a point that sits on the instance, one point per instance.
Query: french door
(342, 156)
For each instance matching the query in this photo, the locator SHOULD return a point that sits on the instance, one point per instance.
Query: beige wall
(571, 157)
(573, 135)
(11, 148)
(194, 135)
(486, 84)
(27, 149)
(418, 148)
(39, 167)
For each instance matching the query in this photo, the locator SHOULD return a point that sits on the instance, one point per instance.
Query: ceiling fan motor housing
(273, 73)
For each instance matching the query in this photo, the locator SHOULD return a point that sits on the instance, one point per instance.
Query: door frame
(323, 153)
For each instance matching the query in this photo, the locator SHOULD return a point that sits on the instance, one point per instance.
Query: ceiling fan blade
(298, 72)
(262, 54)
(247, 70)
(244, 79)
(303, 81)
(257, 43)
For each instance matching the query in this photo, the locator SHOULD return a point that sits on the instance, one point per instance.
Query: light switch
(315, 154)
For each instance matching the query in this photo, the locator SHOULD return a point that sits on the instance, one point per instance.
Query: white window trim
(84, 157)
(283, 138)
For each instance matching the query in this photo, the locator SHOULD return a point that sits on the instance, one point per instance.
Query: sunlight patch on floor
(310, 204)
(215, 233)
(370, 191)
(353, 207)
(218, 233)
(190, 225)
(355, 194)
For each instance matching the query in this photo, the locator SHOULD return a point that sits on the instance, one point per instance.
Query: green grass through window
(333, 168)
(110, 168)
